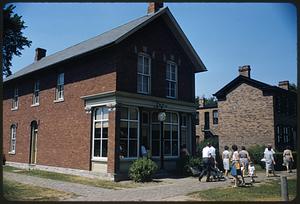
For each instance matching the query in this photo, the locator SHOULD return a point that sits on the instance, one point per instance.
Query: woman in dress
(225, 156)
(288, 159)
(236, 166)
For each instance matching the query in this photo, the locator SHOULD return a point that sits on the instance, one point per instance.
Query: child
(251, 169)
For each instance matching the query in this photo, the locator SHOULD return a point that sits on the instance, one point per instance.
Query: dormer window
(171, 78)
(36, 91)
(15, 99)
(143, 74)
(59, 91)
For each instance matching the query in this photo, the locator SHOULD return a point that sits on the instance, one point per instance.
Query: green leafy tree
(13, 39)
(293, 87)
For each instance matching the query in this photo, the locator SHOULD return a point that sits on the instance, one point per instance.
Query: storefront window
(129, 132)
(100, 132)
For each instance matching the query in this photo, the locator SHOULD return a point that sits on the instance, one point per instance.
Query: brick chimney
(154, 7)
(201, 102)
(39, 54)
(284, 85)
(245, 70)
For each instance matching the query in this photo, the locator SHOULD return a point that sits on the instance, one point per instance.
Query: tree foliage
(13, 39)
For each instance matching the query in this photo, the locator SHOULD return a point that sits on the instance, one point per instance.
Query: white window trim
(58, 83)
(13, 139)
(178, 138)
(16, 95)
(138, 132)
(93, 132)
(36, 89)
(144, 55)
(170, 80)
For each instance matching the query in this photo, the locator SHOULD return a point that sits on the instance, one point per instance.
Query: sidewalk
(173, 190)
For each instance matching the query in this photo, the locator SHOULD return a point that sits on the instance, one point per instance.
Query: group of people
(238, 163)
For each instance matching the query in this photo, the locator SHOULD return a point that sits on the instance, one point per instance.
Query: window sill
(99, 159)
(14, 109)
(59, 100)
(171, 97)
(34, 105)
(12, 153)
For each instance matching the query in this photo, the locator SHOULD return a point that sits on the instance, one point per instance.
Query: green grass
(269, 191)
(23, 192)
(71, 178)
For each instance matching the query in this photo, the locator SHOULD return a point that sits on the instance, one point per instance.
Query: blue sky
(225, 35)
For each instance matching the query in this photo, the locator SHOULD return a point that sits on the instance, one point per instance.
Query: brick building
(91, 106)
(250, 112)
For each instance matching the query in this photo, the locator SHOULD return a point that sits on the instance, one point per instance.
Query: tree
(293, 87)
(13, 39)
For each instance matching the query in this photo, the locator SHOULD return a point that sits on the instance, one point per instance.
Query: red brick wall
(160, 42)
(64, 128)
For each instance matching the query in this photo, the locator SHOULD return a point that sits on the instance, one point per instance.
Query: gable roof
(112, 37)
(221, 94)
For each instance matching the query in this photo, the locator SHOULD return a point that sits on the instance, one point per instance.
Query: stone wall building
(91, 106)
(251, 112)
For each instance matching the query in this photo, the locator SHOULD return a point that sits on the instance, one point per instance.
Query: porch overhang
(112, 98)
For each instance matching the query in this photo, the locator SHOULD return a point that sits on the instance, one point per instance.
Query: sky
(224, 35)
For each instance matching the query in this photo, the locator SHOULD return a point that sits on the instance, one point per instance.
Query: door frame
(33, 142)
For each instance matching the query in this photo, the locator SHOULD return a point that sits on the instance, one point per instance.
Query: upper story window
(15, 100)
(13, 133)
(36, 90)
(59, 91)
(144, 74)
(171, 77)
(100, 132)
(215, 117)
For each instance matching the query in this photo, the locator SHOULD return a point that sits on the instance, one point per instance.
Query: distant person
(266, 149)
(236, 166)
(288, 159)
(251, 170)
(144, 151)
(207, 165)
(225, 157)
(184, 152)
(269, 159)
(244, 159)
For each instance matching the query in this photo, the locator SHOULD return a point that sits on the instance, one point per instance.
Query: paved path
(174, 189)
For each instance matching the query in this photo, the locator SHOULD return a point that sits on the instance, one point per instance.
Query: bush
(256, 153)
(184, 163)
(142, 170)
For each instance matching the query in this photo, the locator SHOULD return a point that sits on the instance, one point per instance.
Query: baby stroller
(217, 175)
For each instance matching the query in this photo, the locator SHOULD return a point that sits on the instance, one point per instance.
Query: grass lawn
(269, 191)
(73, 178)
(23, 192)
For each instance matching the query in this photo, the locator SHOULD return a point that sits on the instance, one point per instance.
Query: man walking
(206, 158)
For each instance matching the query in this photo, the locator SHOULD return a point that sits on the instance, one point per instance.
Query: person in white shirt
(206, 155)
(212, 151)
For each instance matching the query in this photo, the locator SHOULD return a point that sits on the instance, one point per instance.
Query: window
(183, 129)
(15, 100)
(59, 91)
(13, 132)
(171, 135)
(279, 134)
(171, 77)
(285, 135)
(129, 132)
(100, 132)
(36, 90)
(215, 117)
(144, 73)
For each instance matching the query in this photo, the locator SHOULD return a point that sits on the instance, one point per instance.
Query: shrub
(256, 153)
(184, 163)
(142, 170)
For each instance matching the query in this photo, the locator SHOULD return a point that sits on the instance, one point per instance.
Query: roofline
(195, 59)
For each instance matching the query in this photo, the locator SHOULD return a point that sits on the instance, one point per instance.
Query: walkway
(174, 189)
